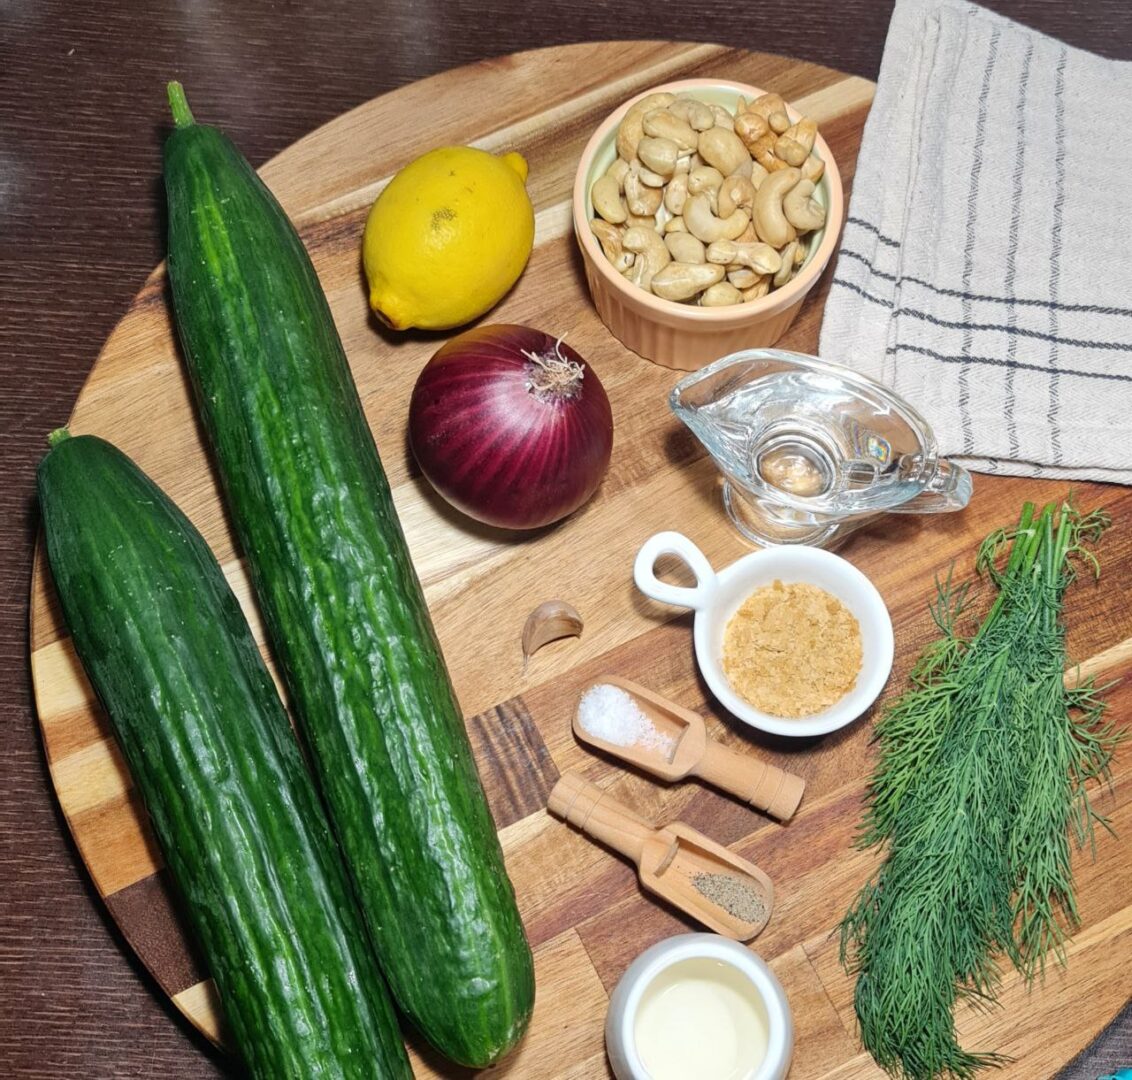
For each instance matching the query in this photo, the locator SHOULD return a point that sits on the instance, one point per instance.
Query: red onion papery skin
(495, 449)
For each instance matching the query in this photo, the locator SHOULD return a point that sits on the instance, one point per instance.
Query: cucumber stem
(57, 436)
(179, 105)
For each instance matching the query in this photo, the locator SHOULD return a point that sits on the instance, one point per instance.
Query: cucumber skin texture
(344, 609)
(209, 747)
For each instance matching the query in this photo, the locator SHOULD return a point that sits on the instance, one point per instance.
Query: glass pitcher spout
(726, 439)
(949, 489)
(811, 449)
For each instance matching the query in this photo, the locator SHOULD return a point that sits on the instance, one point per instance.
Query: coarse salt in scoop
(608, 712)
(678, 746)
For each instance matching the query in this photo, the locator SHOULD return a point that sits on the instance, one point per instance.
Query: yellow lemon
(447, 237)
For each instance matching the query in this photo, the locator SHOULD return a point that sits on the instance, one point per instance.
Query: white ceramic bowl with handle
(625, 1002)
(716, 597)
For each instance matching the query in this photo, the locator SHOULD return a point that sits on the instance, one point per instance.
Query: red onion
(511, 426)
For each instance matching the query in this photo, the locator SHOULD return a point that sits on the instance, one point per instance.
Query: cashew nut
(802, 210)
(648, 220)
(762, 150)
(684, 247)
(682, 281)
(658, 154)
(786, 271)
(736, 191)
(723, 149)
(642, 200)
(797, 142)
(800, 253)
(723, 119)
(652, 255)
(661, 124)
(772, 109)
(705, 226)
(650, 178)
(695, 114)
(748, 235)
(631, 128)
(790, 151)
(704, 178)
(676, 193)
(761, 258)
(606, 196)
(745, 170)
(720, 294)
(812, 168)
(758, 175)
(750, 127)
(674, 225)
(618, 171)
(756, 291)
(770, 221)
(743, 278)
(609, 236)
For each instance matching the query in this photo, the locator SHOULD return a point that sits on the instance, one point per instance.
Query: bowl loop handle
(674, 543)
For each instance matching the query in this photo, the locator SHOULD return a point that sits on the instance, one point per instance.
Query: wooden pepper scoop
(764, 786)
(702, 878)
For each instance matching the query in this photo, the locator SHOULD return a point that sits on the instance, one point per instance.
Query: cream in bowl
(705, 211)
(791, 640)
(698, 1005)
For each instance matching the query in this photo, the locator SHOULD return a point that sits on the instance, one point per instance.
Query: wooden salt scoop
(1116, 656)
(669, 859)
(764, 786)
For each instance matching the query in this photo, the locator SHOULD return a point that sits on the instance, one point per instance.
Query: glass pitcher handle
(948, 489)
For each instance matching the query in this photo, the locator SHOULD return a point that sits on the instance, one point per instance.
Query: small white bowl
(620, 1022)
(716, 597)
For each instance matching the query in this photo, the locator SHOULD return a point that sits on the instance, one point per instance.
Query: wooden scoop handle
(597, 814)
(764, 786)
(1103, 662)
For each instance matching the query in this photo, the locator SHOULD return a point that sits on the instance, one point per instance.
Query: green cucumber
(343, 607)
(210, 749)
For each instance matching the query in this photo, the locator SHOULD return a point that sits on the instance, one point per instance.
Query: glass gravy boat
(812, 450)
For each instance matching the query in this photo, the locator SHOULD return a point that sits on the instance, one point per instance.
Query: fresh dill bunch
(979, 781)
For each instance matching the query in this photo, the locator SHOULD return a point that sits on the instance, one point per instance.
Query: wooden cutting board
(584, 912)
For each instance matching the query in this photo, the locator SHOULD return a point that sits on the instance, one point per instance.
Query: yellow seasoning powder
(792, 649)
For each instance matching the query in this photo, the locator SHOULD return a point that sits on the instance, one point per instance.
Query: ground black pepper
(737, 897)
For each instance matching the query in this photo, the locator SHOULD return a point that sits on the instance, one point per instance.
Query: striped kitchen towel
(985, 270)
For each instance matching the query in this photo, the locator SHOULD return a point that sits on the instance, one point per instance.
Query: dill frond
(979, 787)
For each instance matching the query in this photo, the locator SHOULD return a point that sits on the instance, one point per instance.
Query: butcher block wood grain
(585, 914)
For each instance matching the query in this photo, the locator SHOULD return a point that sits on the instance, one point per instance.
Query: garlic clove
(550, 621)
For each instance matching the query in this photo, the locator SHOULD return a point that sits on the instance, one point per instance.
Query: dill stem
(1023, 551)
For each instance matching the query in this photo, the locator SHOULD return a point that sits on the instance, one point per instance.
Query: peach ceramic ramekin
(687, 336)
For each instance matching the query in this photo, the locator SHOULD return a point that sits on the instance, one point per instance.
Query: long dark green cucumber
(342, 603)
(209, 746)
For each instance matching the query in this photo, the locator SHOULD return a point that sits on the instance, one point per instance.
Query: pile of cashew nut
(708, 207)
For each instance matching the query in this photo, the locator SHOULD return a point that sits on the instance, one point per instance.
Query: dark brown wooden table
(81, 122)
